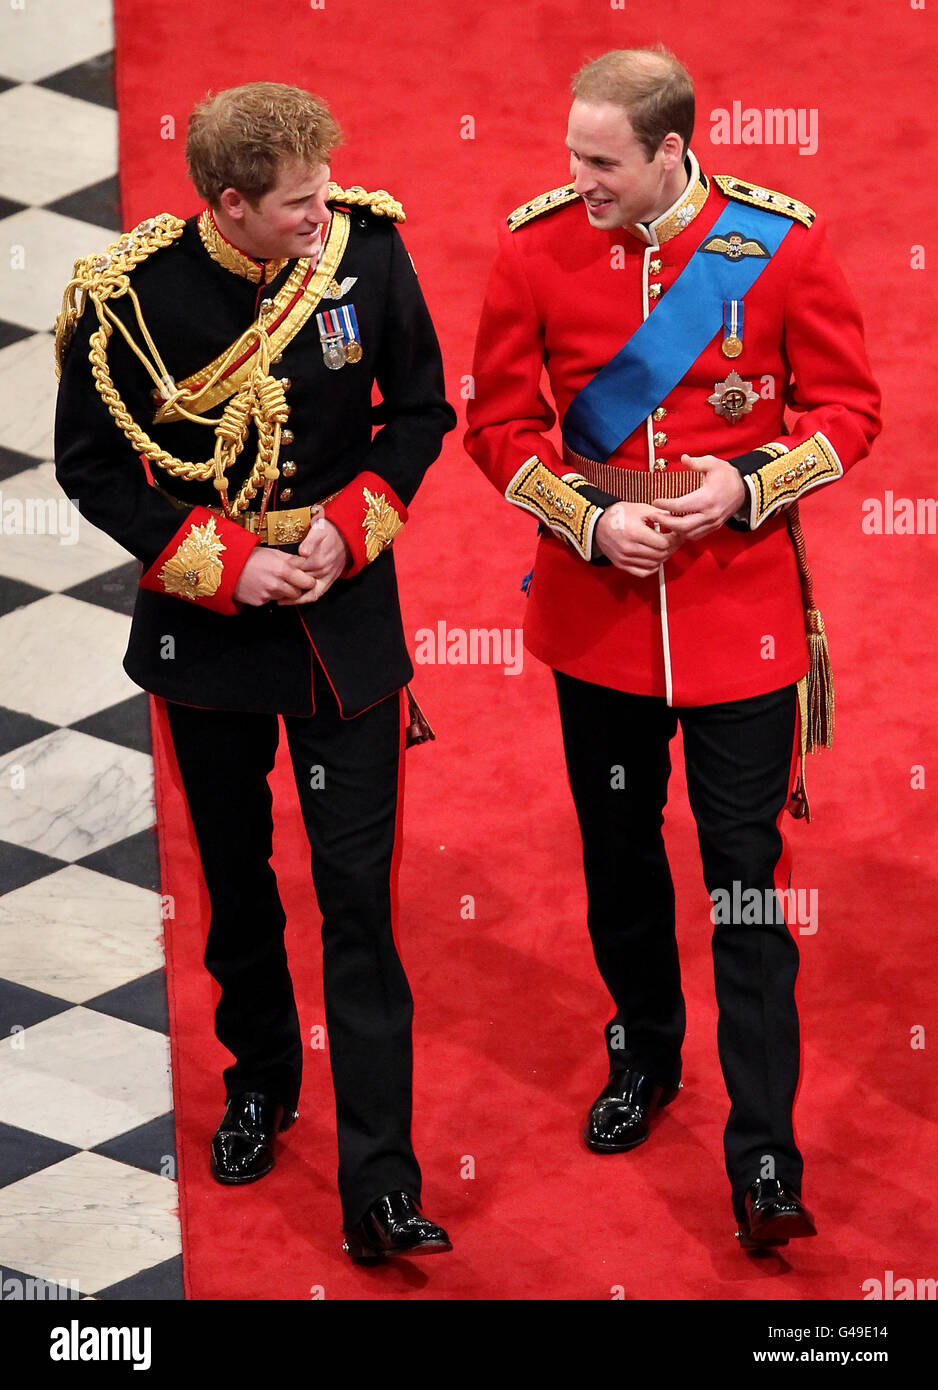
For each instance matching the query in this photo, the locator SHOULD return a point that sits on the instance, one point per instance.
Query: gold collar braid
(221, 251)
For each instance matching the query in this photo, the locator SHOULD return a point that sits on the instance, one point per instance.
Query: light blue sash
(661, 351)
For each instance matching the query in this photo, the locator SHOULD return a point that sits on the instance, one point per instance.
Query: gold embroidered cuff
(195, 570)
(554, 502)
(381, 523)
(789, 475)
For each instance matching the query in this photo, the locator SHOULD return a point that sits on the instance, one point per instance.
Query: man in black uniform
(215, 418)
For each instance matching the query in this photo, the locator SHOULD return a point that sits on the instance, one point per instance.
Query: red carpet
(509, 1008)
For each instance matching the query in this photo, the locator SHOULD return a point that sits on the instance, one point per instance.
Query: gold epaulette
(741, 191)
(544, 202)
(105, 275)
(379, 202)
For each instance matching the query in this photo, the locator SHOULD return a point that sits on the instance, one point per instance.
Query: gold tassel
(820, 731)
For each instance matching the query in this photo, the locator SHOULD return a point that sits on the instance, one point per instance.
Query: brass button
(660, 439)
(286, 494)
(266, 305)
(278, 358)
(659, 414)
(286, 436)
(288, 469)
(660, 464)
(654, 291)
(286, 383)
(655, 266)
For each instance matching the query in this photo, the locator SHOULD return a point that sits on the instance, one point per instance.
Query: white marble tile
(78, 934)
(45, 539)
(41, 37)
(27, 371)
(51, 144)
(68, 795)
(63, 658)
(40, 249)
(81, 1077)
(89, 1220)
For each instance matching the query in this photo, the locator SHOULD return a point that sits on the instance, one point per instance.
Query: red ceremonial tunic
(567, 296)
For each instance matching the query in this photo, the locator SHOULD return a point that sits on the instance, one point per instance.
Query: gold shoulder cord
(259, 398)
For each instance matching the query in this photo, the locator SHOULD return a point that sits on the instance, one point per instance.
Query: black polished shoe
(242, 1149)
(620, 1118)
(394, 1225)
(773, 1215)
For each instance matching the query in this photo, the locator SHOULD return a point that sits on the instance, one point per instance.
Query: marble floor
(88, 1198)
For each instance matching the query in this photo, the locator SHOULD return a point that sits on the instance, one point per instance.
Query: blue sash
(661, 351)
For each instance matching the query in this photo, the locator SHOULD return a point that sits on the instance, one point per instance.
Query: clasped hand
(638, 538)
(273, 576)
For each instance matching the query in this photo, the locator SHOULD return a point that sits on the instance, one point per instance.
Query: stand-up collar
(223, 253)
(678, 217)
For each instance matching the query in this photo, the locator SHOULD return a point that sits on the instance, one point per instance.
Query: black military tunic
(195, 307)
(330, 667)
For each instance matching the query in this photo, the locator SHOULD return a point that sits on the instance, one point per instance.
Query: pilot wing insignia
(734, 247)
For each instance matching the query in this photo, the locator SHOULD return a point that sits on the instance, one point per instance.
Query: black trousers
(346, 775)
(738, 760)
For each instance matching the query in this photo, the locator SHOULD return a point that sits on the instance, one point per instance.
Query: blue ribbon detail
(661, 351)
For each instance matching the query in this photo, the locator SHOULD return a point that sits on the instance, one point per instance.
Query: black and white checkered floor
(87, 1159)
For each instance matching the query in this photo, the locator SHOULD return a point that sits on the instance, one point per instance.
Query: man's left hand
(720, 495)
(324, 554)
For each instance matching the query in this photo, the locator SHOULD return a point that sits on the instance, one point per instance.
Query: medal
(732, 344)
(338, 335)
(732, 398)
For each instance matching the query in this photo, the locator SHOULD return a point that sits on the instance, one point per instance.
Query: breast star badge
(732, 398)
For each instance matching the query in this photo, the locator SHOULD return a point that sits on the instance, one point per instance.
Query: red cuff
(202, 562)
(369, 514)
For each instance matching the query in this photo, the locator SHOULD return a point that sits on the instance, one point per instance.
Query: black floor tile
(13, 333)
(9, 205)
(127, 724)
(21, 1007)
(99, 203)
(162, 1281)
(92, 80)
(23, 1153)
(115, 589)
(13, 462)
(152, 1147)
(19, 866)
(141, 1001)
(134, 860)
(15, 594)
(18, 729)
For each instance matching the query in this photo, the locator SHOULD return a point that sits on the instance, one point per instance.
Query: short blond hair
(242, 137)
(652, 87)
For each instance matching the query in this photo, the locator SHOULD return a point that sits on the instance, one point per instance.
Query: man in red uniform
(678, 316)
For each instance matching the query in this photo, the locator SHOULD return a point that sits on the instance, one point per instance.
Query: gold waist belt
(283, 527)
(633, 484)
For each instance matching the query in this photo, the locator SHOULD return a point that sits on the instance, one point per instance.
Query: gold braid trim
(379, 202)
(259, 398)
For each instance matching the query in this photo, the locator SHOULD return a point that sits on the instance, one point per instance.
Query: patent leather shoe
(243, 1146)
(773, 1215)
(620, 1118)
(394, 1225)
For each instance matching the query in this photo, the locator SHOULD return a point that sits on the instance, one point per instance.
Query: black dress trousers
(347, 774)
(738, 762)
